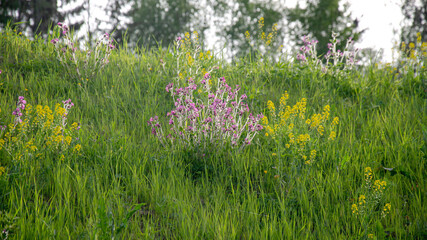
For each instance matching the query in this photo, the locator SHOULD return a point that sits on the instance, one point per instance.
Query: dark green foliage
(415, 20)
(37, 16)
(319, 19)
(157, 23)
(245, 15)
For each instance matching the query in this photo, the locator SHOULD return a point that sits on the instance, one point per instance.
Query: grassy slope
(382, 123)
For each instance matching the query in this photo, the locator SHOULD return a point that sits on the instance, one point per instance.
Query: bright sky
(380, 18)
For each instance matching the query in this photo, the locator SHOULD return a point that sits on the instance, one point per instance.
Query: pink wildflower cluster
(308, 51)
(86, 63)
(19, 106)
(222, 117)
(334, 56)
(338, 56)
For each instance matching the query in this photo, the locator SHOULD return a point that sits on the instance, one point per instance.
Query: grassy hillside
(105, 175)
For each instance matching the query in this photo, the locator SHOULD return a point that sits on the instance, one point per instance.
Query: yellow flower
(57, 130)
(354, 209)
(332, 135)
(362, 199)
(2, 170)
(335, 121)
(248, 35)
(371, 236)
(387, 208)
(265, 171)
(403, 46)
(320, 129)
(287, 145)
(261, 23)
(283, 99)
(379, 185)
(77, 148)
(264, 120)
(274, 154)
(2, 141)
(74, 126)
(270, 106)
(368, 174)
(313, 154)
(68, 140)
(411, 45)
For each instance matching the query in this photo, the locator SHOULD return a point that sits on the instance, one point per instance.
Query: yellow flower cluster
(414, 54)
(386, 209)
(261, 23)
(379, 185)
(247, 35)
(40, 132)
(362, 199)
(29, 146)
(370, 197)
(2, 170)
(354, 209)
(312, 157)
(290, 125)
(368, 175)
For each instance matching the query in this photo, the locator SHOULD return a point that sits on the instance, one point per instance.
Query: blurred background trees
(154, 23)
(319, 19)
(415, 20)
(38, 15)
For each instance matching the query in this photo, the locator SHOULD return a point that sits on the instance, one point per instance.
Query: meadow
(338, 153)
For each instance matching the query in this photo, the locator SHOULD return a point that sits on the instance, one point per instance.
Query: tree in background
(116, 12)
(319, 19)
(415, 20)
(37, 15)
(238, 18)
(156, 22)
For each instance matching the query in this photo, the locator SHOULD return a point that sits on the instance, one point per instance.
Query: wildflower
(335, 121)
(265, 171)
(274, 154)
(368, 174)
(320, 129)
(386, 209)
(312, 154)
(379, 185)
(332, 135)
(77, 148)
(362, 199)
(270, 106)
(261, 23)
(2, 170)
(354, 209)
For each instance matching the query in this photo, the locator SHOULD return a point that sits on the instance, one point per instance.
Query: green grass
(125, 185)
